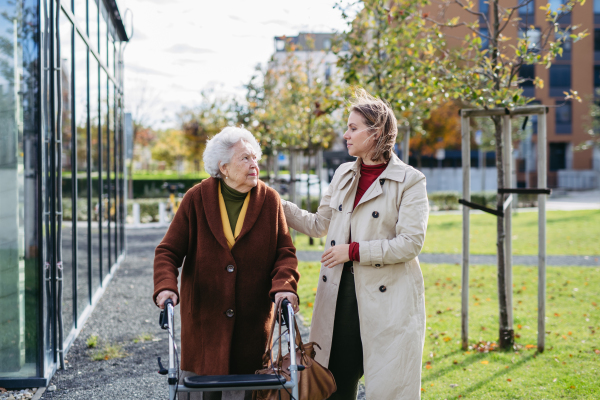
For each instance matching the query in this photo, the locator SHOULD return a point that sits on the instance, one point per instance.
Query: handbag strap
(269, 348)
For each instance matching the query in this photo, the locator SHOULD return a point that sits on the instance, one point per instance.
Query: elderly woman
(369, 314)
(231, 241)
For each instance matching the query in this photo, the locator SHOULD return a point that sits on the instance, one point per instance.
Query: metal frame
(507, 115)
(175, 387)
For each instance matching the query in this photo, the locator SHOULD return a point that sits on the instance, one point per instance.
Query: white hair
(219, 148)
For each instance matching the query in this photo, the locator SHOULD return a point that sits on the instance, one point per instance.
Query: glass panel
(81, 123)
(560, 76)
(113, 170)
(596, 6)
(93, 23)
(105, 174)
(95, 168)
(103, 34)
(596, 39)
(66, 252)
(484, 6)
(80, 11)
(19, 178)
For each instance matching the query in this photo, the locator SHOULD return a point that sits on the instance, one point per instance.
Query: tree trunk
(506, 335)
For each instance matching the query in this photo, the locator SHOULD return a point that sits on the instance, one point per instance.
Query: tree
(441, 130)
(169, 148)
(486, 75)
(393, 53)
(201, 123)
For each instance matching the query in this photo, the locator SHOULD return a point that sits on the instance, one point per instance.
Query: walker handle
(164, 315)
(284, 311)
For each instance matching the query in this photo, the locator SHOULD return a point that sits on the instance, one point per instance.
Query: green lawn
(568, 233)
(567, 369)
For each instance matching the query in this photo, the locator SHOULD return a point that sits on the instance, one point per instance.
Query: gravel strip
(124, 313)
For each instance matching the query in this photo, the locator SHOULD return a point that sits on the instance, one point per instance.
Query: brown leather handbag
(315, 381)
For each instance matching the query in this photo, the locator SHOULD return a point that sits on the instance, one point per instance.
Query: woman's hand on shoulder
(335, 255)
(163, 296)
(291, 297)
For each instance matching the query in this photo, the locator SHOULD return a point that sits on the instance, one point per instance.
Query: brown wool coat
(264, 263)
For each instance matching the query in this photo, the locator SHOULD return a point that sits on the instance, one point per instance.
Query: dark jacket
(225, 316)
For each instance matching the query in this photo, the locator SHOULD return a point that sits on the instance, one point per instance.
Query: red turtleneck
(368, 175)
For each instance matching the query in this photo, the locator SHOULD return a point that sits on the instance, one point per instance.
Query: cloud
(144, 70)
(189, 61)
(186, 48)
(276, 22)
(235, 18)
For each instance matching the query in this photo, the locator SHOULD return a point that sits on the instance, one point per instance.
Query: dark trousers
(346, 359)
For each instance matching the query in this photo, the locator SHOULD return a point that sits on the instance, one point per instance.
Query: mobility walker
(228, 382)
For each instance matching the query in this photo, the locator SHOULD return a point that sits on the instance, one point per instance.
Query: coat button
(333, 242)
(382, 288)
(230, 312)
(230, 268)
(375, 214)
(340, 207)
(324, 278)
(381, 181)
(378, 265)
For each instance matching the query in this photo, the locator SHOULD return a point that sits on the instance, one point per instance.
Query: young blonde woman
(369, 313)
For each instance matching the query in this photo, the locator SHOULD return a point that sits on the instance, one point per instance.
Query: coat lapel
(257, 198)
(210, 201)
(396, 170)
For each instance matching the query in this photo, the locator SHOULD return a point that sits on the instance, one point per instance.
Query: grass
(109, 351)
(568, 233)
(92, 341)
(144, 337)
(567, 369)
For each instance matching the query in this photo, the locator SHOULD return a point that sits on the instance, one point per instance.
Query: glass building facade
(62, 199)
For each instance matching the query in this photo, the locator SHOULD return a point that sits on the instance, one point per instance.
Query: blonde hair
(379, 118)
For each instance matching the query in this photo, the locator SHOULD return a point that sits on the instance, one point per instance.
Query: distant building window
(485, 42)
(597, 76)
(527, 72)
(484, 7)
(279, 44)
(567, 42)
(328, 74)
(564, 118)
(596, 39)
(560, 79)
(533, 37)
(558, 156)
(327, 44)
(596, 6)
(555, 5)
(528, 9)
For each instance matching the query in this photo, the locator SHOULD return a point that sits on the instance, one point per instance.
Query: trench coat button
(324, 278)
(375, 214)
(382, 288)
(381, 181)
(333, 243)
(229, 313)
(340, 207)
(230, 268)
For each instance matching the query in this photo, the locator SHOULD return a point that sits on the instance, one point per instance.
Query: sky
(181, 47)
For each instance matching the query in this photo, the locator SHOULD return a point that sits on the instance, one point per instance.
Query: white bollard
(136, 214)
(162, 213)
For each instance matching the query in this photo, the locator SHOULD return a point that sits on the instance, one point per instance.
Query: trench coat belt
(349, 267)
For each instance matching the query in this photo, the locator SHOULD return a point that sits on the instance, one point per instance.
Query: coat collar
(210, 200)
(395, 170)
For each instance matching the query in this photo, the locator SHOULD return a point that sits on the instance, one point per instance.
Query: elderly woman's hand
(291, 297)
(163, 296)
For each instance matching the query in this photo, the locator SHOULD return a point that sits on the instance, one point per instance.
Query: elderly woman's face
(242, 170)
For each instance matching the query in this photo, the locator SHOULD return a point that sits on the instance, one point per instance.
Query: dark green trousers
(346, 359)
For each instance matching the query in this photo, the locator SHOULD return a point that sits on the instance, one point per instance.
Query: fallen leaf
(428, 366)
(447, 339)
(556, 314)
(314, 289)
(597, 351)
(564, 337)
(506, 367)
(570, 333)
(422, 390)
(530, 346)
(432, 384)
(455, 362)
(510, 380)
(309, 304)
(572, 387)
(519, 326)
(485, 362)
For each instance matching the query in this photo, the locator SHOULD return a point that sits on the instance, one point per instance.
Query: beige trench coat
(389, 224)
